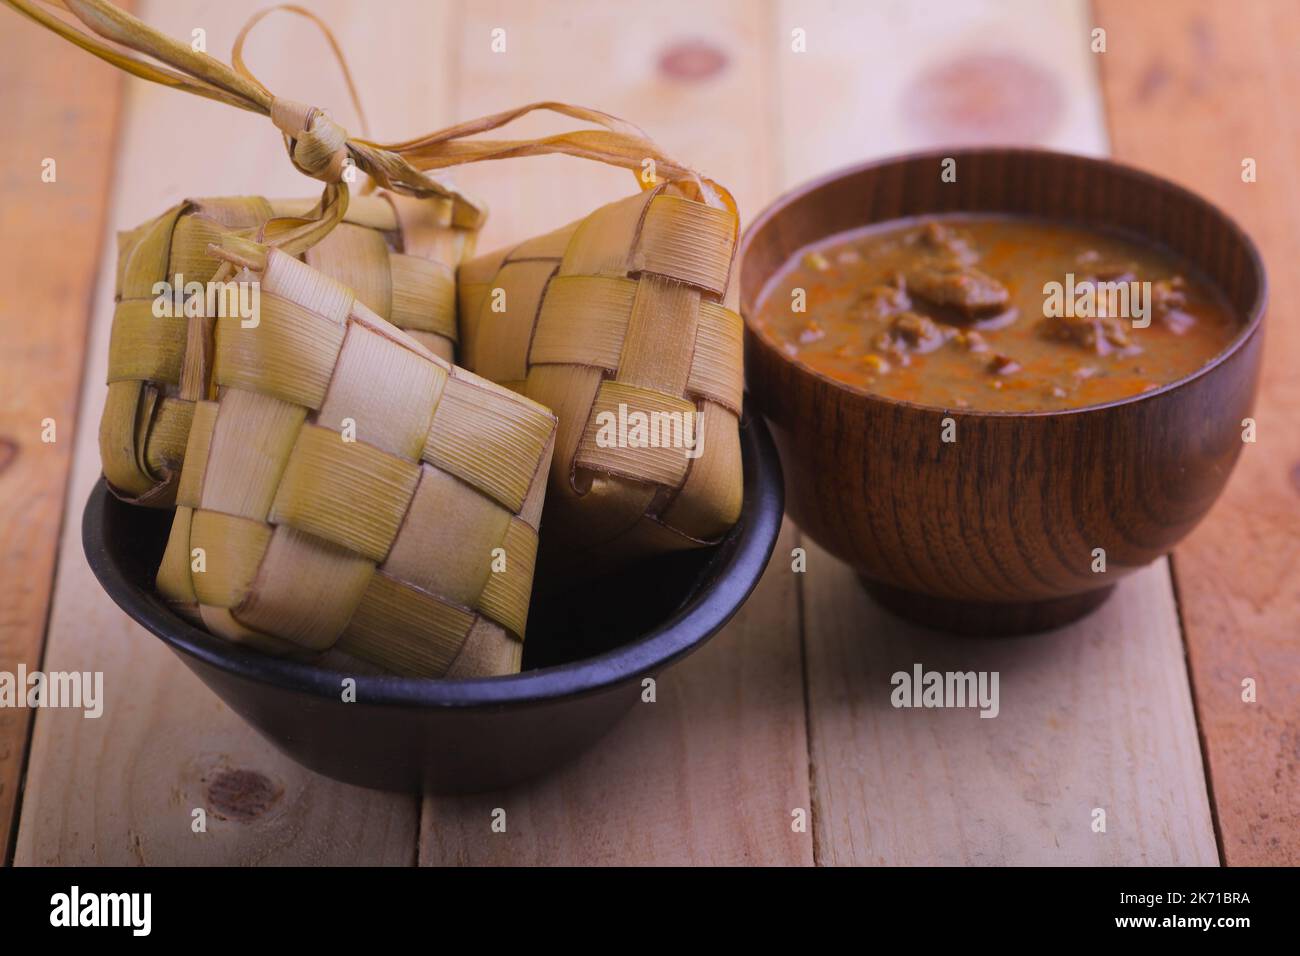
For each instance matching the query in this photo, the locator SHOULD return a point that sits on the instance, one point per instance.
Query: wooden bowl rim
(1250, 326)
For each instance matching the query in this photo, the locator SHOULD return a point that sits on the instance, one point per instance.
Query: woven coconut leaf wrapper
(621, 309)
(399, 254)
(410, 548)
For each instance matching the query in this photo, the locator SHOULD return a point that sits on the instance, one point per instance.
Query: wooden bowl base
(986, 618)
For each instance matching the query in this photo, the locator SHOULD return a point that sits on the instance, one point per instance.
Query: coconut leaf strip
(287, 278)
(167, 432)
(175, 577)
(405, 630)
(230, 552)
(309, 609)
(223, 623)
(143, 346)
(424, 295)
(446, 543)
(382, 394)
(482, 435)
(123, 467)
(189, 490)
(583, 321)
(346, 492)
(357, 258)
(505, 597)
(144, 255)
(715, 373)
(660, 342)
(625, 421)
(249, 451)
(710, 497)
(688, 241)
(373, 211)
(290, 353)
(500, 349)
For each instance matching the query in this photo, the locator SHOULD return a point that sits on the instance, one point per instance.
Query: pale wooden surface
(1096, 716)
(1221, 87)
(42, 337)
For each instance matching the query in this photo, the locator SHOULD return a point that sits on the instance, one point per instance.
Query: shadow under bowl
(996, 533)
(586, 655)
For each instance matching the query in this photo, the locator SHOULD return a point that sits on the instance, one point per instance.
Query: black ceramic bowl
(584, 659)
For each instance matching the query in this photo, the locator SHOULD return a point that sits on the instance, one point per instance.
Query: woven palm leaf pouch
(617, 323)
(398, 253)
(349, 490)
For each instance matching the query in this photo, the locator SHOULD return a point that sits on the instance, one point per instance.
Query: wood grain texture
(1095, 715)
(121, 789)
(946, 801)
(42, 333)
(712, 771)
(1192, 89)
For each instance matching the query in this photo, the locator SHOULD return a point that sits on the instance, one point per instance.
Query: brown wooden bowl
(995, 533)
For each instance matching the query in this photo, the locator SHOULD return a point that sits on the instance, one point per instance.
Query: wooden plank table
(787, 709)
(42, 333)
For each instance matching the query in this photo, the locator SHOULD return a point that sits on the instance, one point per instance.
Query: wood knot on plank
(8, 452)
(978, 98)
(242, 795)
(692, 60)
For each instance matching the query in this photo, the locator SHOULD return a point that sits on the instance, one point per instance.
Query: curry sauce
(994, 313)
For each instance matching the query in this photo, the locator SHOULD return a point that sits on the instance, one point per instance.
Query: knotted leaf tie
(321, 148)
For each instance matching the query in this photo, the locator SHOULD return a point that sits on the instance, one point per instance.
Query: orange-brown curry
(994, 313)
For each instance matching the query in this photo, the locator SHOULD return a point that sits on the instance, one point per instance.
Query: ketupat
(349, 490)
(398, 253)
(613, 316)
